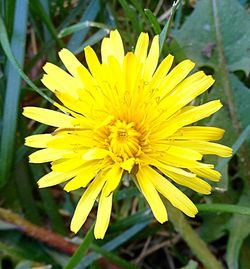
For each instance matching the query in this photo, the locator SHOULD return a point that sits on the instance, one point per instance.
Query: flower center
(124, 139)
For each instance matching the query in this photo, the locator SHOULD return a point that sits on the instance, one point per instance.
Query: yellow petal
(66, 165)
(185, 153)
(131, 68)
(48, 117)
(86, 203)
(54, 178)
(47, 155)
(103, 215)
(176, 76)
(95, 154)
(128, 164)
(169, 168)
(161, 71)
(194, 183)
(174, 195)
(152, 59)
(84, 176)
(187, 117)
(38, 140)
(116, 40)
(184, 93)
(70, 61)
(205, 147)
(207, 173)
(113, 178)
(199, 133)
(151, 195)
(58, 79)
(71, 141)
(112, 46)
(93, 62)
(141, 47)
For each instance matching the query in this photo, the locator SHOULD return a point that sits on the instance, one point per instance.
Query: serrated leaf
(198, 35)
(211, 36)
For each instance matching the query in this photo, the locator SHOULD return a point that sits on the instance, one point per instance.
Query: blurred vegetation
(34, 223)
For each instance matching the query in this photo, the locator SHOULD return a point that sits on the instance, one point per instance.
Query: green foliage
(213, 33)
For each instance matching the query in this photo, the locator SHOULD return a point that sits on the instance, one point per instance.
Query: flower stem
(196, 244)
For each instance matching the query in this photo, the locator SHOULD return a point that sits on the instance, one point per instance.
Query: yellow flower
(126, 115)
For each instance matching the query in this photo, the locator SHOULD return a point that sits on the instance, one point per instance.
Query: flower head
(126, 115)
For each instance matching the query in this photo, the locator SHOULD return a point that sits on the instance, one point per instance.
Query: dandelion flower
(126, 114)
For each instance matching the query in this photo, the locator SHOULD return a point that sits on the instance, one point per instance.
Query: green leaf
(11, 102)
(211, 25)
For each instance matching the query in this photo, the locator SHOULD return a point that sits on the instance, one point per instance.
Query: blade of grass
(110, 20)
(178, 16)
(138, 5)
(96, 37)
(113, 244)
(45, 6)
(38, 9)
(130, 15)
(80, 26)
(224, 208)
(6, 47)
(2, 91)
(121, 224)
(164, 33)
(153, 21)
(89, 15)
(73, 14)
(8, 7)
(49, 203)
(113, 258)
(82, 250)
(10, 110)
(24, 190)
